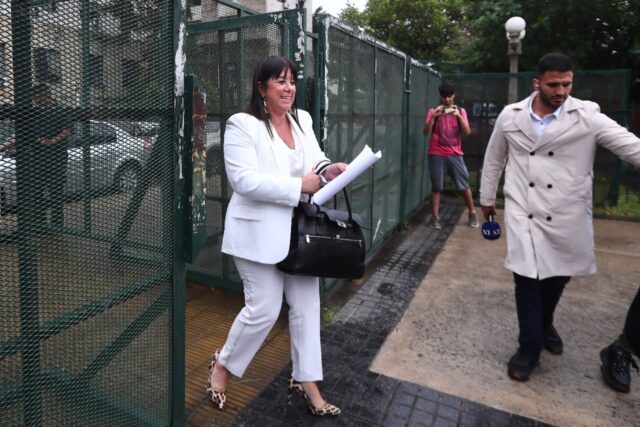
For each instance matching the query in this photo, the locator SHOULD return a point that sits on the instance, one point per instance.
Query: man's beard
(548, 101)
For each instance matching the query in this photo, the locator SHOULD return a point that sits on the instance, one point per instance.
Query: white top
(295, 155)
(540, 124)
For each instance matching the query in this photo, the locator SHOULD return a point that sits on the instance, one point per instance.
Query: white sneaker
(473, 220)
(435, 224)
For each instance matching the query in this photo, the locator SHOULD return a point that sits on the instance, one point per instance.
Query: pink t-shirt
(445, 135)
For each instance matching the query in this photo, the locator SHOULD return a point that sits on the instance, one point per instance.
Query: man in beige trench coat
(546, 145)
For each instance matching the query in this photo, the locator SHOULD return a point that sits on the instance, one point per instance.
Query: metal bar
(10, 395)
(173, 212)
(23, 343)
(320, 90)
(373, 142)
(224, 188)
(98, 238)
(153, 163)
(85, 102)
(21, 32)
(404, 155)
(96, 398)
(351, 95)
(143, 321)
(77, 114)
(240, 22)
(187, 168)
(297, 32)
(240, 87)
(238, 7)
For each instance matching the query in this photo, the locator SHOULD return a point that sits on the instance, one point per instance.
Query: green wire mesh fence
(86, 212)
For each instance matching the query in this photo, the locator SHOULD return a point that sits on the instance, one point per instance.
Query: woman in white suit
(272, 159)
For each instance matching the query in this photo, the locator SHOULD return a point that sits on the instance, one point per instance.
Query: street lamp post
(515, 33)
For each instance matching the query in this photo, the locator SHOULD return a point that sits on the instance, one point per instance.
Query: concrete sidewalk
(463, 320)
(355, 337)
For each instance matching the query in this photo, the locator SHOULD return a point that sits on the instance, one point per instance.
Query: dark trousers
(50, 178)
(632, 324)
(536, 301)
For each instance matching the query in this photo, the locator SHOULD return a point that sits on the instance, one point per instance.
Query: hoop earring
(266, 107)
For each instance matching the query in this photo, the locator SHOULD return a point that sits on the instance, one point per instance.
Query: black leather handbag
(325, 243)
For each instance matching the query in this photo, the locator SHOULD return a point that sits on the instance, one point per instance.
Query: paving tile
(449, 400)
(400, 409)
(425, 405)
(429, 394)
(444, 422)
(391, 421)
(448, 412)
(420, 417)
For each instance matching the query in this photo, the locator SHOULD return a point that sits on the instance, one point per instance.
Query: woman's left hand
(334, 170)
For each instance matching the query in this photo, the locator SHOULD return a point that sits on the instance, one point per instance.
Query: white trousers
(264, 285)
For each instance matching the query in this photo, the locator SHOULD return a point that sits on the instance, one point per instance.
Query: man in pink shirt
(447, 123)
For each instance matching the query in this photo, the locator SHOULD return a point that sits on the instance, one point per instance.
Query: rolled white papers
(361, 163)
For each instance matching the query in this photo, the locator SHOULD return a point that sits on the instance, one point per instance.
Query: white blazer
(548, 184)
(258, 220)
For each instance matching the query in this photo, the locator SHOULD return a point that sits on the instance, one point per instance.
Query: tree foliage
(351, 15)
(597, 34)
(424, 29)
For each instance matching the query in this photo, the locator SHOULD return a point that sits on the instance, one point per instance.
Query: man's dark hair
(554, 62)
(447, 88)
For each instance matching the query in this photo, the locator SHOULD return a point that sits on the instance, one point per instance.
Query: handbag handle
(346, 199)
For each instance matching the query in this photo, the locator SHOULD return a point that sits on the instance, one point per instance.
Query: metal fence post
(320, 89)
(178, 253)
(27, 228)
(404, 156)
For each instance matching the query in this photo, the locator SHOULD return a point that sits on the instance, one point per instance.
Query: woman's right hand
(311, 182)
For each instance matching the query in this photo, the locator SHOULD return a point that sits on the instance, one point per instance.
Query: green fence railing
(484, 96)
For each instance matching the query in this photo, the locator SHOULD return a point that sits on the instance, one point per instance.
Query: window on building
(96, 71)
(4, 66)
(50, 6)
(131, 73)
(46, 64)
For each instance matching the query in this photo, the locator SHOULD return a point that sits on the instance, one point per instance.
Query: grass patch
(628, 205)
(328, 313)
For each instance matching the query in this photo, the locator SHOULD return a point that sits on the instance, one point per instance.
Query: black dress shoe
(551, 341)
(521, 365)
(616, 362)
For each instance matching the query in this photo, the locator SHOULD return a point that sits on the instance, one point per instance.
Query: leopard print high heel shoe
(218, 397)
(326, 410)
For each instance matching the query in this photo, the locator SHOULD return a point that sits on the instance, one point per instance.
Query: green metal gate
(222, 54)
(359, 91)
(88, 330)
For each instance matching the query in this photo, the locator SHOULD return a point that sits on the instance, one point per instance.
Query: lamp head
(515, 28)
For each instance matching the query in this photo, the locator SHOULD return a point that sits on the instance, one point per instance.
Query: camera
(448, 110)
